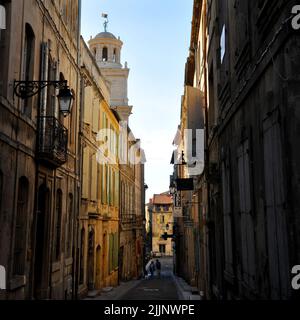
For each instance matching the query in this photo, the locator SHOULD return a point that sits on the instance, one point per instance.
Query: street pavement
(155, 288)
(147, 289)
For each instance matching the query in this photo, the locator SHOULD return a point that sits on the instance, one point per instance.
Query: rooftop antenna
(105, 16)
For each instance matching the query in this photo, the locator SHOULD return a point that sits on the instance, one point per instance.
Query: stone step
(93, 294)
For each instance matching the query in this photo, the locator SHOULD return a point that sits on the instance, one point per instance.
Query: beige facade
(162, 222)
(99, 210)
(38, 150)
(59, 179)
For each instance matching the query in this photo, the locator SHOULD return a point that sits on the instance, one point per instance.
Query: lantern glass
(65, 98)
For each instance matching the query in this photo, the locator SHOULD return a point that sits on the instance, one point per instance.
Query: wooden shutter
(247, 226)
(275, 213)
(85, 175)
(227, 216)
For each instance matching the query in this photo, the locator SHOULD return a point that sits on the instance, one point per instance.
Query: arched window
(115, 55)
(69, 231)
(81, 267)
(105, 54)
(57, 230)
(20, 227)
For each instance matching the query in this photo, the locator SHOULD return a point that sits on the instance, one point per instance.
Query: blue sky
(156, 36)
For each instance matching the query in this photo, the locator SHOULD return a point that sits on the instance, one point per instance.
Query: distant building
(162, 222)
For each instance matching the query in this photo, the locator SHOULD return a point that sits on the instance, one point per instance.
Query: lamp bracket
(28, 89)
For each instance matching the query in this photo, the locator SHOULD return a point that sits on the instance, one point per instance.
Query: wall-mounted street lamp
(28, 89)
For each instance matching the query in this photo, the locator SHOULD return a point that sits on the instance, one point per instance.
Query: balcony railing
(52, 141)
(128, 218)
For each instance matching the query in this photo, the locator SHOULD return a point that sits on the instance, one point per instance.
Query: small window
(223, 43)
(162, 248)
(115, 55)
(162, 219)
(104, 54)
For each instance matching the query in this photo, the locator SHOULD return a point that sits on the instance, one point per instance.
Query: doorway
(91, 260)
(40, 273)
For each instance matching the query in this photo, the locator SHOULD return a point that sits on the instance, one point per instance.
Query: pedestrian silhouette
(152, 269)
(158, 268)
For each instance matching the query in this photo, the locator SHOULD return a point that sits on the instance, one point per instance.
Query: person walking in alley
(152, 269)
(158, 268)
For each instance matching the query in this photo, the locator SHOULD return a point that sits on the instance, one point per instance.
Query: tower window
(104, 54)
(115, 55)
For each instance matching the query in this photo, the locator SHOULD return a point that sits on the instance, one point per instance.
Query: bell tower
(106, 49)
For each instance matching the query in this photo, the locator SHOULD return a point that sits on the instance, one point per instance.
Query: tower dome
(104, 35)
(106, 49)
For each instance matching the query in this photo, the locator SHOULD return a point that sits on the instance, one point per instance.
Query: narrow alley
(163, 288)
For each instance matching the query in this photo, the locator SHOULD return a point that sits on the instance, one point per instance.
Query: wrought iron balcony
(128, 218)
(52, 141)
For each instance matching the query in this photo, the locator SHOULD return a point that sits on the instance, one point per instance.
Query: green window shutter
(116, 250)
(111, 244)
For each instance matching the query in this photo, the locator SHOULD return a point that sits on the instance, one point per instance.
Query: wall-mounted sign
(185, 184)
(177, 212)
(2, 18)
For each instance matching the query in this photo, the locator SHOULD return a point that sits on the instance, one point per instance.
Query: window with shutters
(28, 65)
(111, 250)
(116, 251)
(4, 46)
(81, 262)
(52, 106)
(57, 225)
(227, 217)
(246, 215)
(275, 199)
(242, 35)
(20, 228)
(85, 173)
(93, 179)
(103, 184)
(1, 191)
(69, 230)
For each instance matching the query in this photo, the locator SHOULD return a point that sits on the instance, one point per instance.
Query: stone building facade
(162, 222)
(38, 150)
(106, 51)
(99, 211)
(246, 53)
(59, 177)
